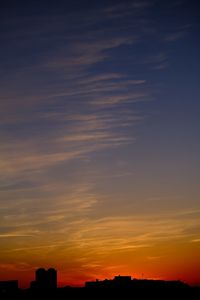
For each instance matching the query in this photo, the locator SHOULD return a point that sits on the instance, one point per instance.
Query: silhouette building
(124, 282)
(52, 278)
(9, 286)
(118, 282)
(45, 279)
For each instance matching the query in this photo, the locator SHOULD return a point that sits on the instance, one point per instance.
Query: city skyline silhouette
(47, 279)
(45, 285)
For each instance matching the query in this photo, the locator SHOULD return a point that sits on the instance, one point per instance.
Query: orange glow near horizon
(190, 276)
(177, 262)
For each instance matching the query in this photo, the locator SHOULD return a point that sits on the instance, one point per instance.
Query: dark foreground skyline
(46, 279)
(99, 139)
(45, 285)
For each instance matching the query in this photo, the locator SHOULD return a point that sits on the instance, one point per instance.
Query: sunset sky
(100, 139)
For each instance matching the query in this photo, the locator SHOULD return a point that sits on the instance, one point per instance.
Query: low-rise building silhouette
(118, 281)
(8, 286)
(124, 282)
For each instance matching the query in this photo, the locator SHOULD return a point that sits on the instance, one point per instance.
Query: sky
(99, 139)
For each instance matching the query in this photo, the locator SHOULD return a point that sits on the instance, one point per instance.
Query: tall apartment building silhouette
(45, 279)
